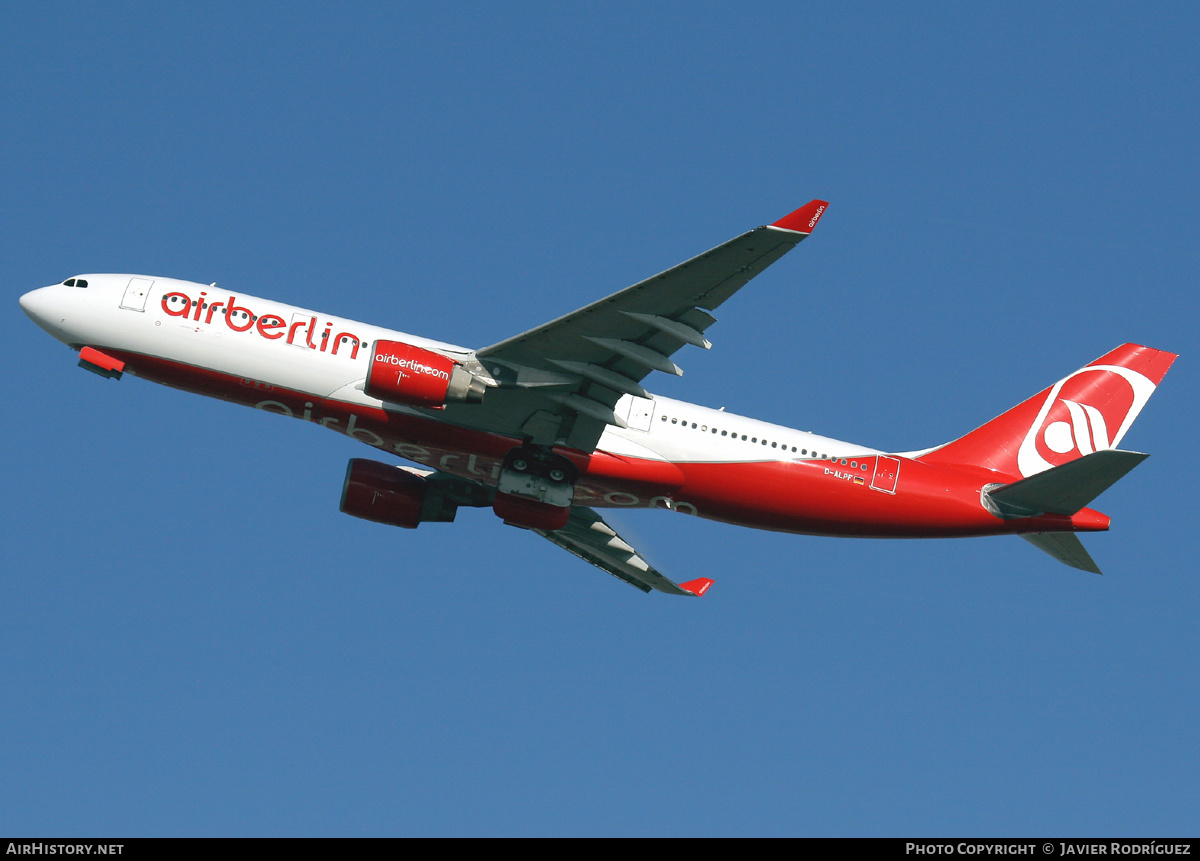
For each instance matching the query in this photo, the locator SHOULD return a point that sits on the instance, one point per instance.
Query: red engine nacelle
(404, 374)
(529, 513)
(388, 494)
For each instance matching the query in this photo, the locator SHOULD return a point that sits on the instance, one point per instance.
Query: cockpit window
(75, 282)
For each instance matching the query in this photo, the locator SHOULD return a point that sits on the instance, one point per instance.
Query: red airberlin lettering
(239, 318)
(234, 311)
(412, 365)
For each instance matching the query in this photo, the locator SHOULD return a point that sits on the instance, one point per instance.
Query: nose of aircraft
(35, 302)
(45, 306)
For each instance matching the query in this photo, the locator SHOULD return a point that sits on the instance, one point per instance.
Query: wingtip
(697, 587)
(803, 220)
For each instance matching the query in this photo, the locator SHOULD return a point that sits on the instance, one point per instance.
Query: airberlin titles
(399, 372)
(269, 326)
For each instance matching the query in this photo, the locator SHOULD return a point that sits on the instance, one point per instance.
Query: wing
(586, 534)
(592, 540)
(558, 383)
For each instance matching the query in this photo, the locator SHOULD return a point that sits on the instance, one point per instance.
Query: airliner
(552, 427)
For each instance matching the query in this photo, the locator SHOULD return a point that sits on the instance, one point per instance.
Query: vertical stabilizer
(1088, 411)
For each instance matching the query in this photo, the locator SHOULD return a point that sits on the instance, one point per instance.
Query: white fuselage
(294, 355)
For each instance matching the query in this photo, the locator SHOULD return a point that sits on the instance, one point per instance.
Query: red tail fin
(1088, 411)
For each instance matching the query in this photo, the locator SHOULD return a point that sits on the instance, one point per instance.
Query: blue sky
(195, 641)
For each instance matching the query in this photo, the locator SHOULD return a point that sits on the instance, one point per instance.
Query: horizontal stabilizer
(1068, 488)
(1065, 547)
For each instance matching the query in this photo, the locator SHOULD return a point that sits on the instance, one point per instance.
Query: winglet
(697, 587)
(804, 219)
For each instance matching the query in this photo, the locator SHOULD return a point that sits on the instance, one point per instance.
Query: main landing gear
(536, 488)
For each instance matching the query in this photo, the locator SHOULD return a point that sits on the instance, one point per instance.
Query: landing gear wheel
(537, 473)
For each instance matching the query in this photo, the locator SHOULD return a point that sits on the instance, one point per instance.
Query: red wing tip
(697, 587)
(804, 219)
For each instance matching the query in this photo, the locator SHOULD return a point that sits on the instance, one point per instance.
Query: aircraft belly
(827, 498)
(867, 496)
(606, 480)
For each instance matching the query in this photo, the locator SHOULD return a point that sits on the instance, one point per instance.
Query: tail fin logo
(1086, 431)
(1086, 412)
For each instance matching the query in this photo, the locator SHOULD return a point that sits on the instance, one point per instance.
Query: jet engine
(392, 495)
(529, 513)
(404, 374)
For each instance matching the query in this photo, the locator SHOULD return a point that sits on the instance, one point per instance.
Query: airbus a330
(551, 427)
